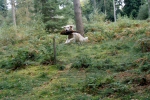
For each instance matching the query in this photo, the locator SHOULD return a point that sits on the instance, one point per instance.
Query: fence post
(54, 47)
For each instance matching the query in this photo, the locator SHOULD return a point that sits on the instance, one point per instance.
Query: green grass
(111, 66)
(17, 83)
(95, 82)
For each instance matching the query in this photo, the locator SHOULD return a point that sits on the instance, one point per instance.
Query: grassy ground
(113, 65)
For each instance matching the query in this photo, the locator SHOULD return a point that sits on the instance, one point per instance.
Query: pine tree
(102, 6)
(53, 17)
(3, 8)
(149, 8)
(13, 12)
(143, 12)
(131, 7)
(24, 11)
(3, 11)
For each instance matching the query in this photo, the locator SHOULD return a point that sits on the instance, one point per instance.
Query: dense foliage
(102, 6)
(53, 15)
(126, 7)
(3, 7)
(131, 7)
(113, 65)
(3, 11)
(143, 12)
(57, 13)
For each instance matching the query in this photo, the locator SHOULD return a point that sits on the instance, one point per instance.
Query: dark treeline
(56, 13)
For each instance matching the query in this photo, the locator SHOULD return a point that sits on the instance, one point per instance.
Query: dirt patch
(139, 83)
(141, 89)
(148, 77)
(124, 75)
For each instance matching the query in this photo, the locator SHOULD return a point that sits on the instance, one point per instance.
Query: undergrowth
(114, 64)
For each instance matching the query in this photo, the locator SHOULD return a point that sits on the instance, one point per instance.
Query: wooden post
(13, 12)
(54, 47)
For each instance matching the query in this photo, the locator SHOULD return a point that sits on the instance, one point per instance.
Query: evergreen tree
(53, 17)
(131, 7)
(3, 8)
(24, 11)
(13, 7)
(103, 6)
(3, 11)
(100, 6)
(149, 8)
(143, 14)
(109, 9)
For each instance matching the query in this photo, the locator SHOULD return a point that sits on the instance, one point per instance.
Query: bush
(60, 67)
(46, 55)
(103, 65)
(19, 60)
(120, 89)
(120, 68)
(143, 12)
(43, 75)
(37, 51)
(142, 45)
(8, 38)
(145, 67)
(94, 83)
(124, 22)
(82, 61)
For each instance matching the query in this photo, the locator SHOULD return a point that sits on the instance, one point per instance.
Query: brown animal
(69, 33)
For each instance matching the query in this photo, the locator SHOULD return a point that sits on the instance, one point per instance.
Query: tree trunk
(105, 7)
(27, 10)
(54, 47)
(149, 8)
(78, 16)
(114, 10)
(94, 3)
(13, 12)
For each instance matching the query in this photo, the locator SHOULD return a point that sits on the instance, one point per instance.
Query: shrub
(93, 84)
(46, 56)
(96, 17)
(19, 60)
(145, 67)
(43, 75)
(82, 61)
(120, 68)
(120, 89)
(60, 67)
(142, 45)
(8, 39)
(143, 12)
(140, 31)
(103, 64)
(124, 22)
(96, 37)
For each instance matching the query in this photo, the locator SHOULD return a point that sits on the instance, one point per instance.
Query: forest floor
(114, 68)
(48, 83)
